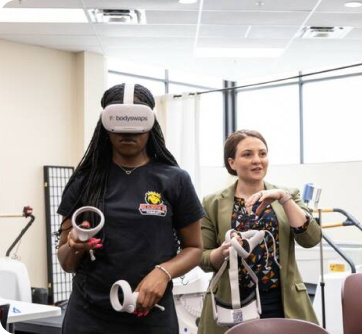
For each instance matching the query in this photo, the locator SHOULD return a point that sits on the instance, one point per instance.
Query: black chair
(276, 326)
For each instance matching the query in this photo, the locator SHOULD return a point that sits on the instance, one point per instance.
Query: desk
(23, 311)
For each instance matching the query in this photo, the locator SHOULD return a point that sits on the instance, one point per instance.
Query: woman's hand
(71, 249)
(218, 255)
(153, 286)
(77, 245)
(150, 291)
(266, 197)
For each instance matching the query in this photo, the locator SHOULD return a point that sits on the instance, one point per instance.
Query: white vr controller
(84, 234)
(252, 238)
(129, 298)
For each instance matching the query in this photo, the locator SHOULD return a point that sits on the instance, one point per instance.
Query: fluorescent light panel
(186, 2)
(238, 52)
(57, 15)
(353, 4)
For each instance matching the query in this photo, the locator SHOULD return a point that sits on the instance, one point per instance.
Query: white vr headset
(230, 314)
(128, 117)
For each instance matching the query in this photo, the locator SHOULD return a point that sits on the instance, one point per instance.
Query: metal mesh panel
(59, 282)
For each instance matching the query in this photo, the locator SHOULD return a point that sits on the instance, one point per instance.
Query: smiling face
(251, 160)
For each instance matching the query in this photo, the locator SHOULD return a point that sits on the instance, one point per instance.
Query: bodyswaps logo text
(130, 118)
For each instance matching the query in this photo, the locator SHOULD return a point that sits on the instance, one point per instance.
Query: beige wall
(47, 98)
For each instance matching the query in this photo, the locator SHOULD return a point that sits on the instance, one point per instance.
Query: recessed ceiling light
(238, 52)
(353, 4)
(43, 15)
(186, 2)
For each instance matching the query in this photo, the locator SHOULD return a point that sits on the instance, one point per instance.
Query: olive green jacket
(218, 210)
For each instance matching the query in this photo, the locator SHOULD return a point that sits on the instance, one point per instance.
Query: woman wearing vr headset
(252, 204)
(128, 173)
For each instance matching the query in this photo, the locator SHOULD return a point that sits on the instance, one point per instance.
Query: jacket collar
(230, 191)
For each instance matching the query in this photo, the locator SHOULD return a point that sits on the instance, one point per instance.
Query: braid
(94, 166)
(156, 147)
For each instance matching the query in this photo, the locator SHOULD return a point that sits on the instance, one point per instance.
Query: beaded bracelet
(165, 271)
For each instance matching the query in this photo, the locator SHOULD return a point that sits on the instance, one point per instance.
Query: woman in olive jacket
(252, 203)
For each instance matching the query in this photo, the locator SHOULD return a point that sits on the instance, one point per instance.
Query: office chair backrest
(352, 304)
(276, 326)
(14, 280)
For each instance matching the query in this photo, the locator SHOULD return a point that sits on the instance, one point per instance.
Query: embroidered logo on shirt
(154, 205)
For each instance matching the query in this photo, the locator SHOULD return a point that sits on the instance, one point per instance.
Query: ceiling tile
(223, 30)
(355, 33)
(234, 17)
(272, 32)
(45, 4)
(268, 5)
(240, 43)
(146, 30)
(148, 43)
(334, 20)
(329, 45)
(140, 4)
(171, 17)
(337, 6)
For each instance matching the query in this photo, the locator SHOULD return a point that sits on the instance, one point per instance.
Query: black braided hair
(95, 163)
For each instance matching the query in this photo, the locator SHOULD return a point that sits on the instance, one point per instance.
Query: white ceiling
(173, 30)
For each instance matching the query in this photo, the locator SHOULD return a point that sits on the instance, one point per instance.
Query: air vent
(121, 16)
(325, 32)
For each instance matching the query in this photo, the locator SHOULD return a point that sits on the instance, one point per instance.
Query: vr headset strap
(128, 93)
(234, 278)
(234, 282)
(213, 284)
(256, 281)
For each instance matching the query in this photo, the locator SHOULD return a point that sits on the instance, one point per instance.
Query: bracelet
(285, 198)
(165, 271)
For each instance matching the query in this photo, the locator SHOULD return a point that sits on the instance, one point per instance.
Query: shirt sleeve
(71, 196)
(186, 207)
(303, 228)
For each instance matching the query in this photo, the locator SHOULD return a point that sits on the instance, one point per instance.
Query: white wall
(42, 116)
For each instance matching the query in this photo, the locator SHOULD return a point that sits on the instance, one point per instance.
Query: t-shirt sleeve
(186, 207)
(71, 196)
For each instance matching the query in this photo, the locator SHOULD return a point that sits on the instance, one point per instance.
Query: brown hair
(232, 142)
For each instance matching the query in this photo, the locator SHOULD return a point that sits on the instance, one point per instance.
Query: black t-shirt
(141, 211)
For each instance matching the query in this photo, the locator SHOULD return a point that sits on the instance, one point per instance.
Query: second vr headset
(128, 117)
